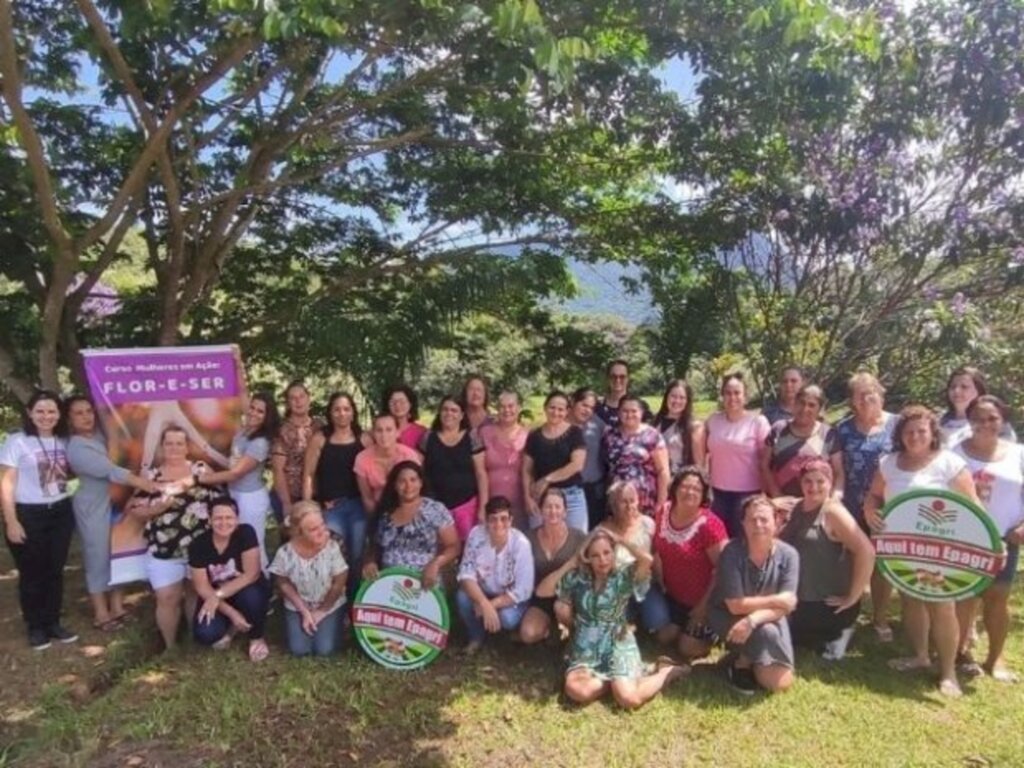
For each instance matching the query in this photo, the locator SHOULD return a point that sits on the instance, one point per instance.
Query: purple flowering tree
(863, 179)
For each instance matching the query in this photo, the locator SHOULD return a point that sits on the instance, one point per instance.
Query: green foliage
(395, 141)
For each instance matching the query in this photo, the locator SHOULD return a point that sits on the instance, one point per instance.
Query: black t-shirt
(335, 474)
(451, 477)
(549, 455)
(222, 566)
(610, 415)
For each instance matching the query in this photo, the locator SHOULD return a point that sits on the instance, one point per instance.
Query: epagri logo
(937, 513)
(404, 593)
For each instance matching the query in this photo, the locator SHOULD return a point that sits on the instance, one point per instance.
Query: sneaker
(38, 640)
(61, 634)
(742, 680)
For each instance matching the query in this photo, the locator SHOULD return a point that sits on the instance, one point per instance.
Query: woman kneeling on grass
(228, 578)
(836, 563)
(755, 589)
(311, 575)
(592, 598)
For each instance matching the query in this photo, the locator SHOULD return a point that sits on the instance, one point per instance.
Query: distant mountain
(601, 292)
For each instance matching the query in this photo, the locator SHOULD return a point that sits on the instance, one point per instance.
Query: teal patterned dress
(602, 640)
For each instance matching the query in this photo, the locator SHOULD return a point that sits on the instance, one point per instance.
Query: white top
(955, 431)
(643, 539)
(508, 572)
(42, 466)
(1000, 485)
(312, 576)
(937, 474)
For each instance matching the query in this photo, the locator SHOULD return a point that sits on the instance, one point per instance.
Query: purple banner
(152, 375)
(141, 392)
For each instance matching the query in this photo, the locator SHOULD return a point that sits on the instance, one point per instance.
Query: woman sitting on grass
(311, 575)
(592, 598)
(755, 589)
(688, 540)
(412, 531)
(554, 543)
(495, 575)
(228, 578)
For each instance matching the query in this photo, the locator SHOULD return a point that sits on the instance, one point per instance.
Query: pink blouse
(504, 461)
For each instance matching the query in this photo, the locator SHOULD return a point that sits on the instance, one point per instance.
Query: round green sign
(399, 624)
(938, 546)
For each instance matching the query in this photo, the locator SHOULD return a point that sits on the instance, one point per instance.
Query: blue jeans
(576, 508)
(324, 642)
(251, 602)
(347, 518)
(510, 616)
(655, 610)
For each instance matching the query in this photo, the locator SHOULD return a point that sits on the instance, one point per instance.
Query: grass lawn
(503, 708)
(112, 701)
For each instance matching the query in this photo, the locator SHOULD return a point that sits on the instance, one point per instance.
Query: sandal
(110, 625)
(258, 650)
(908, 664)
(950, 688)
(967, 666)
(1003, 675)
(883, 632)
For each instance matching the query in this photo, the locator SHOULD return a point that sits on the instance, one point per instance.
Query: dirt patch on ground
(84, 668)
(153, 754)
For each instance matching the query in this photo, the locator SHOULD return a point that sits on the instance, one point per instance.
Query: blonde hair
(617, 490)
(300, 511)
(594, 535)
(865, 379)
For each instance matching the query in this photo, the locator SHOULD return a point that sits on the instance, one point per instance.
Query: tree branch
(35, 155)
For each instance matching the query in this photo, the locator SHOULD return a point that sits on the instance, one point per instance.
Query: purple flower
(101, 302)
(930, 293)
(781, 216)
(958, 306)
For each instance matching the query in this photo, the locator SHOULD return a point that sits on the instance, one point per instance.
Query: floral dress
(631, 457)
(170, 533)
(602, 640)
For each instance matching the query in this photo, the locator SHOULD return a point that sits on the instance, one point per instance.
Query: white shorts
(254, 509)
(165, 573)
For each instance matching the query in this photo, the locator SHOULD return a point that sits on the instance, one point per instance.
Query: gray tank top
(825, 565)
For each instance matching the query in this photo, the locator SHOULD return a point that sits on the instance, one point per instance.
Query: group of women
(740, 530)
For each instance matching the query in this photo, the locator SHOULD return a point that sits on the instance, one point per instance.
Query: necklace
(52, 473)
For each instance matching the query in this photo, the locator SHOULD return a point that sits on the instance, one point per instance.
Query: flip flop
(883, 632)
(908, 664)
(950, 688)
(258, 650)
(110, 625)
